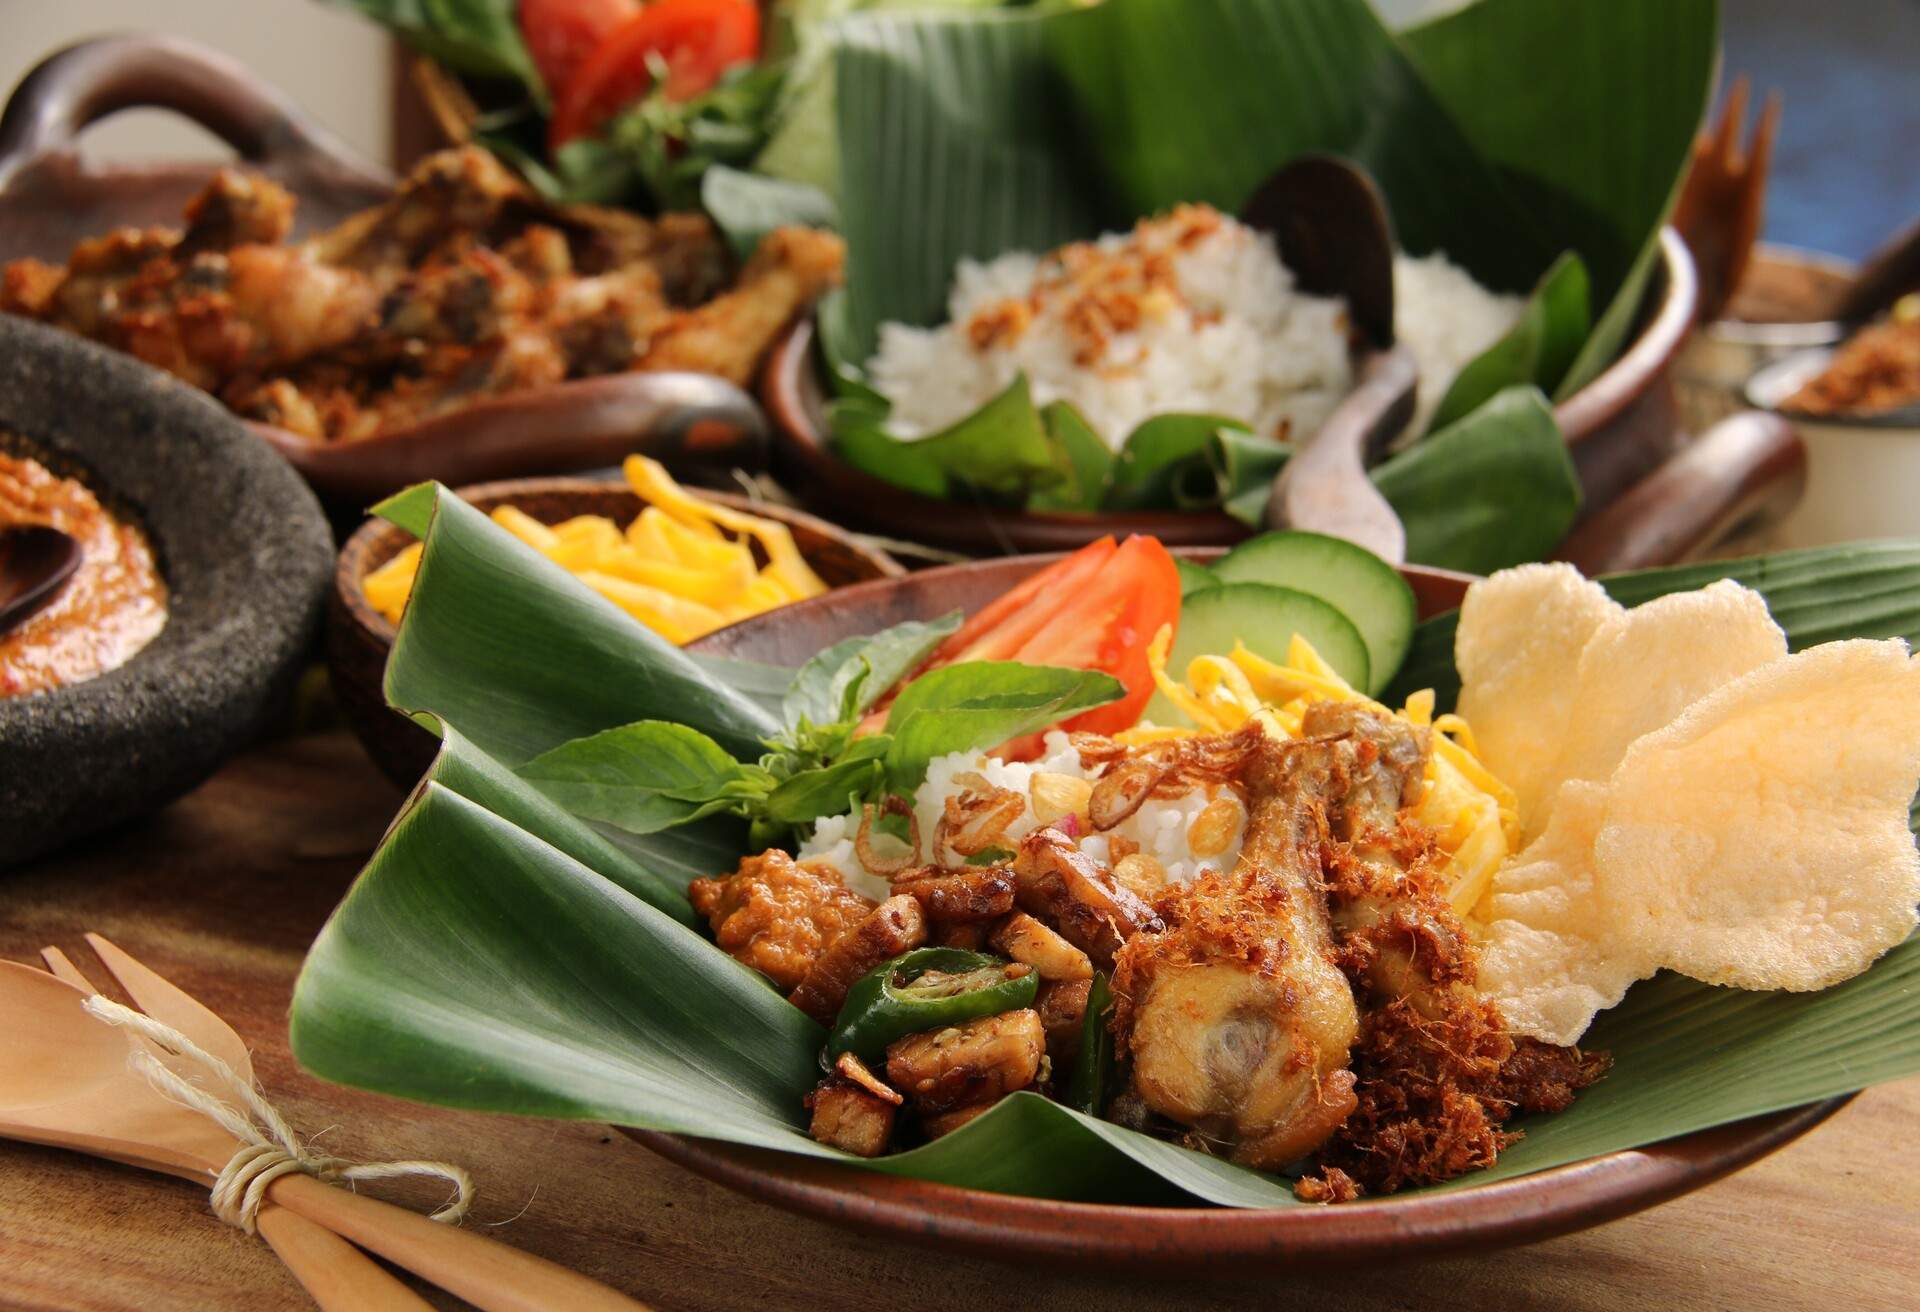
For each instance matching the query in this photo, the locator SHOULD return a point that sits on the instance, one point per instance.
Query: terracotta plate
(1175, 1241)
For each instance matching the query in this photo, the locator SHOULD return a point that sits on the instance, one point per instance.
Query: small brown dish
(50, 198)
(1621, 427)
(1184, 1241)
(359, 638)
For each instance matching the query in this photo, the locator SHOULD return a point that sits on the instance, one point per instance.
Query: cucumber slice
(1366, 588)
(1265, 618)
(1195, 578)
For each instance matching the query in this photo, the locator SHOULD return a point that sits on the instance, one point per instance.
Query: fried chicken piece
(778, 915)
(1237, 1020)
(959, 896)
(1025, 939)
(730, 333)
(1067, 889)
(979, 1062)
(451, 191)
(895, 926)
(237, 208)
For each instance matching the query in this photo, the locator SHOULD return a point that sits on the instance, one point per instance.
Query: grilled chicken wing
(1237, 1019)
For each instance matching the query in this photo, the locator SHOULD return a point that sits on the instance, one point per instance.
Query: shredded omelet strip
(1473, 815)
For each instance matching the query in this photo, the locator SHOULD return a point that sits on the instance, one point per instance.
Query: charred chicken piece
(778, 915)
(959, 896)
(728, 335)
(237, 208)
(979, 1062)
(895, 926)
(1237, 1020)
(1062, 886)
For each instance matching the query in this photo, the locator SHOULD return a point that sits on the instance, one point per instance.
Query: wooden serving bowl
(1183, 1241)
(359, 638)
(1621, 428)
(51, 198)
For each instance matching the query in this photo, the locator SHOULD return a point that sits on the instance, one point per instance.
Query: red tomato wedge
(697, 40)
(1096, 610)
(560, 34)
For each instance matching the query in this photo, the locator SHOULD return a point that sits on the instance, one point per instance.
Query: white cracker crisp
(1517, 647)
(1761, 839)
(1643, 667)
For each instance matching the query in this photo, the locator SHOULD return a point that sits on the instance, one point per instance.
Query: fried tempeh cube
(937, 1124)
(1062, 1005)
(959, 896)
(1025, 939)
(851, 1118)
(1070, 891)
(977, 1062)
(895, 926)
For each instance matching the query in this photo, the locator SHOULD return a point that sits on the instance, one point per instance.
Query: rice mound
(1191, 312)
(1159, 827)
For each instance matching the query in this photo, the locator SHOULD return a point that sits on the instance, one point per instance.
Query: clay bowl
(244, 550)
(359, 638)
(50, 198)
(1621, 426)
(1183, 1241)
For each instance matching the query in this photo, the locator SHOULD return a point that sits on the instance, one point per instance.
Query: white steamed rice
(1229, 336)
(1159, 827)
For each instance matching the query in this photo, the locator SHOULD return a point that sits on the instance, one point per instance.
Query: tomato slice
(1107, 625)
(1096, 610)
(698, 40)
(999, 630)
(560, 34)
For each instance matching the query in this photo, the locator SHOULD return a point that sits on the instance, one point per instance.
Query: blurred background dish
(241, 553)
(359, 636)
(50, 198)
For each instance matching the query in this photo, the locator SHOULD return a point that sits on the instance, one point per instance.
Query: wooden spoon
(67, 1082)
(36, 561)
(1334, 234)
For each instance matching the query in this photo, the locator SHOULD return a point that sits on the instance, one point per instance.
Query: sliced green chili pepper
(926, 989)
(1093, 1064)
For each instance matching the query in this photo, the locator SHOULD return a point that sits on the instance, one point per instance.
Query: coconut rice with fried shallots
(1191, 312)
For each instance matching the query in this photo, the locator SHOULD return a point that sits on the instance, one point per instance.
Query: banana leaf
(501, 954)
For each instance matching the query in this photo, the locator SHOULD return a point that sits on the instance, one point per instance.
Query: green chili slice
(926, 989)
(1093, 1064)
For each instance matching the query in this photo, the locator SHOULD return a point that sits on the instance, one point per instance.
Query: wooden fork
(1724, 199)
(338, 1276)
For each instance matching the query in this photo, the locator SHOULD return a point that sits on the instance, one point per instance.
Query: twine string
(268, 1147)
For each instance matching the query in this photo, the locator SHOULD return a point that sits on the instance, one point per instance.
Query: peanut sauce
(111, 608)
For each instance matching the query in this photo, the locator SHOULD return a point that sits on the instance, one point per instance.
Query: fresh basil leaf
(644, 777)
(1084, 459)
(981, 704)
(831, 790)
(1538, 349)
(1001, 449)
(862, 668)
(476, 37)
(991, 856)
(747, 206)
(1164, 463)
(1498, 488)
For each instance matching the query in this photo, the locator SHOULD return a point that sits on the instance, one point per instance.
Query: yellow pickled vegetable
(674, 568)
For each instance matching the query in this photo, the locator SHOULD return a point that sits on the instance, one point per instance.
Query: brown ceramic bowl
(1621, 427)
(359, 638)
(50, 198)
(1173, 1241)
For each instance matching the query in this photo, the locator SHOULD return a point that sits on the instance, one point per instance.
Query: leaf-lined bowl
(501, 952)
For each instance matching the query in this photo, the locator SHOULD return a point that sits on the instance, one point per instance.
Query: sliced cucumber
(1195, 578)
(1368, 590)
(1265, 618)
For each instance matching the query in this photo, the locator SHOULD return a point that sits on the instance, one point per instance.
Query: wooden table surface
(223, 891)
